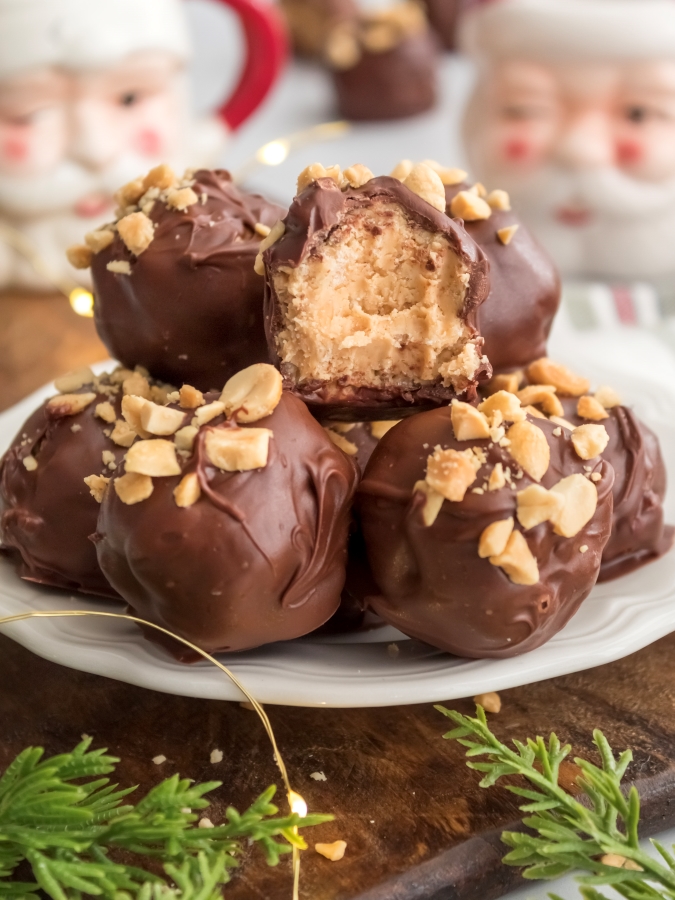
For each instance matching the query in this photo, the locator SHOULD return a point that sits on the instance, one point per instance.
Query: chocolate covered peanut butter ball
(484, 526)
(47, 511)
(229, 526)
(372, 295)
(639, 534)
(174, 284)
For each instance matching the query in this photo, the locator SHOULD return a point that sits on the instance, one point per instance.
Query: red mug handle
(266, 52)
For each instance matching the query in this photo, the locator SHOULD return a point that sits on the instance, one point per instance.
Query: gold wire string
(295, 800)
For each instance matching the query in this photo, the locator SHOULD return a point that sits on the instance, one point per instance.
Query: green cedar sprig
(569, 834)
(64, 818)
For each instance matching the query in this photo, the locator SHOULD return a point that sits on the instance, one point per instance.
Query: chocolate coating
(516, 318)
(259, 557)
(311, 21)
(639, 534)
(433, 585)
(443, 17)
(319, 209)
(398, 83)
(48, 515)
(191, 310)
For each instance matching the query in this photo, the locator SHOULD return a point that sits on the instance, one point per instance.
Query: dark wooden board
(416, 824)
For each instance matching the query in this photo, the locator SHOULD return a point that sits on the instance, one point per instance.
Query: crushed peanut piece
(507, 234)
(517, 561)
(537, 505)
(130, 193)
(607, 397)
(468, 423)
(97, 485)
(509, 382)
(205, 414)
(505, 403)
(100, 239)
(79, 256)
(133, 488)
(581, 501)
(108, 457)
(123, 434)
(69, 404)
(262, 230)
(29, 463)
(545, 371)
(529, 447)
(253, 393)
(184, 438)
(189, 397)
(596, 476)
(449, 176)
(119, 267)
(590, 440)
(402, 169)
(161, 177)
(541, 395)
(427, 184)
(379, 428)
(238, 449)
(499, 200)
(333, 852)
(469, 207)
(494, 538)
(312, 173)
(583, 548)
(73, 381)
(136, 385)
(491, 701)
(275, 233)
(497, 479)
(452, 472)
(533, 411)
(155, 457)
(137, 232)
(432, 503)
(589, 408)
(181, 198)
(342, 49)
(563, 423)
(341, 441)
(106, 411)
(160, 420)
(357, 175)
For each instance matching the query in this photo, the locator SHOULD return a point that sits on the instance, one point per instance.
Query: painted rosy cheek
(629, 152)
(516, 150)
(14, 149)
(149, 142)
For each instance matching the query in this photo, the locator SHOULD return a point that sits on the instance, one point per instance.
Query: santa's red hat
(570, 29)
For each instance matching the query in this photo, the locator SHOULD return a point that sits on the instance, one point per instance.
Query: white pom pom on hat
(552, 30)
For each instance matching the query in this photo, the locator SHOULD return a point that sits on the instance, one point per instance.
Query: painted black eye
(636, 114)
(129, 99)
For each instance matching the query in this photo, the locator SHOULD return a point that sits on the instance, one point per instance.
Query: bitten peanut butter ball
(385, 63)
(229, 525)
(174, 284)
(484, 527)
(47, 511)
(598, 419)
(372, 295)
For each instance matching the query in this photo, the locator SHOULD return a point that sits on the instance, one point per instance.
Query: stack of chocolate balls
(343, 407)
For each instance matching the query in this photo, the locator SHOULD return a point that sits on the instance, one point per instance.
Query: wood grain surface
(416, 824)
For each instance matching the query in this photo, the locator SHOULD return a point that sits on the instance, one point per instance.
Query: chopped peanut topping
(238, 449)
(130, 193)
(378, 429)
(79, 256)
(131, 410)
(119, 267)
(312, 173)
(188, 491)
(205, 414)
(123, 434)
(275, 233)
(333, 852)
(69, 404)
(537, 505)
(491, 702)
(451, 472)
(106, 411)
(97, 485)
(590, 440)
(182, 198)
(161, 177)
(580, 502)
(497, 479)
(160, 393)
(447, 175)
(133, 488)
(505, 403)
(136, 385)
(517, 561)
(262, 230)
(189, 397)
(340, 441)
(160, 420)
(66, 384)
(156, 458)
(184, 438)
(432, 503)
(589, 408)
(507, 234)
(563, 422)
(99, 240)
(529, 447)
(607, 397)
(566, 383)
(509, 382)
(137, 232)
(533, 411)
(494, 538)
(469, 424)
(401, 170)
(253, 393)
(357, 175)
(541, 395)
(427, 184)
(499, 200)
(29, 463)
(468, 206)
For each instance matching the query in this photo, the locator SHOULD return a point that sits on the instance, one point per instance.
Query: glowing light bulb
(274, 153)
(297, 803)
(82, 302)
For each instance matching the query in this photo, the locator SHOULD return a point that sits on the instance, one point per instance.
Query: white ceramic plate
(382, 667)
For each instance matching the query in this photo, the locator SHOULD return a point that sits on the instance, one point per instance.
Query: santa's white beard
(41, 208)
(631, 231)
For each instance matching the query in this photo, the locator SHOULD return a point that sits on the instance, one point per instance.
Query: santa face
(587, 151)
(68, 139)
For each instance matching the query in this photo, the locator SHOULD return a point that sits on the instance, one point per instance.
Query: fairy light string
(296, 802)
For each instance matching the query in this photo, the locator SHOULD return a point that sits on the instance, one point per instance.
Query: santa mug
(94, 93)
(573, 113)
